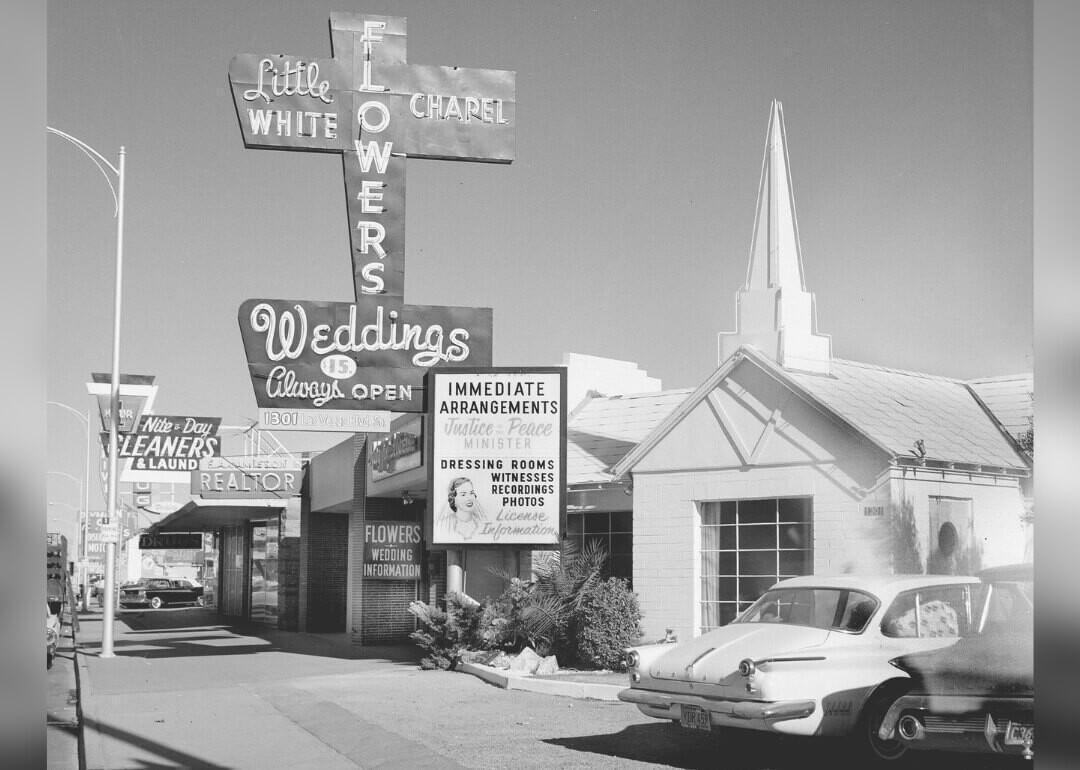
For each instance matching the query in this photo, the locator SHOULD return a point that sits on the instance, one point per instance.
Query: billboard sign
(401, 451)
(326, 420)
(498, 457)
(339, 355)
(170, 443)
(392, 550)
(136, 395)
(171, 540)
(379, 112)
(265, 477)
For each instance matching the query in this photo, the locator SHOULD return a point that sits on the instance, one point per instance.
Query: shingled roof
(602, 429)
(892, 408)
(896, 408)
(1010, 398)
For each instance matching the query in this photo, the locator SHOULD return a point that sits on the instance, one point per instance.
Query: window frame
(780, 519)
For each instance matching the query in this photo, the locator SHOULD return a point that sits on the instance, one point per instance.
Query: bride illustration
(462, 514)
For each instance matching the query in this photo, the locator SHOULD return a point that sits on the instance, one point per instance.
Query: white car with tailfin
(809, 657)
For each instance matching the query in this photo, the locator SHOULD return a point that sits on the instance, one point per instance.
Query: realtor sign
(264, 478)
(498, 445)
(375, 109)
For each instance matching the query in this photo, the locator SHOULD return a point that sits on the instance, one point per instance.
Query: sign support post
(114, 427)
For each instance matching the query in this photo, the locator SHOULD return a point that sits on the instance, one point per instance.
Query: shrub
(561, 581)
(445, 634)
(607, 621)
(501, 626)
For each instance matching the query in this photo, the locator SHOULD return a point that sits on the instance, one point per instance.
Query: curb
(510, 680)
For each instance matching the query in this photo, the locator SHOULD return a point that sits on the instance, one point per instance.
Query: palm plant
(561, 581)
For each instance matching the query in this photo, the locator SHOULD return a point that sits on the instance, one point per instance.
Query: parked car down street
(160, 592)
(978, 695)
(809, 657)
(52, 635)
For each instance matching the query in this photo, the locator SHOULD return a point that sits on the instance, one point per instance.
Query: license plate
(694, 717)
(1017, 734)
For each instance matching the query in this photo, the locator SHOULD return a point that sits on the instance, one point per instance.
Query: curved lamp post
(108, 170)
(85, 516)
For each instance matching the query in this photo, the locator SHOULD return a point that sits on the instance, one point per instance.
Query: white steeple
(774, 311)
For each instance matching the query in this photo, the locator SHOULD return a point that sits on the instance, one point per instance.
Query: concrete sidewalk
(186, 688)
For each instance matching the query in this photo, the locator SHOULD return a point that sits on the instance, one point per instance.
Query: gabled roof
(890, 408)
(897, 408)
(602, 429)
(1010, 398)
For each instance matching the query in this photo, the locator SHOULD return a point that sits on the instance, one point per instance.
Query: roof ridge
(1004, 377)
(905, 372)
(650, 394)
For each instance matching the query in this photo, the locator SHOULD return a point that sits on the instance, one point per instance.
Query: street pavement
(185, 689)
(61, 702)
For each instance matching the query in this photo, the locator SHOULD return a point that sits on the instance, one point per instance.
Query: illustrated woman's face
(465, 497)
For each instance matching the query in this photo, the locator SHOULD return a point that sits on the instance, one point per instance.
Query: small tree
(1026, 440)
(902, 539)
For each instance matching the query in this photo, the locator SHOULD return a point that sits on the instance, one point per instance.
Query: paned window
(614, 530)
(748, 545)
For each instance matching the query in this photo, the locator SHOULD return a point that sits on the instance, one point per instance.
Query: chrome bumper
(739, 709)
(946, 705)
(943, 720)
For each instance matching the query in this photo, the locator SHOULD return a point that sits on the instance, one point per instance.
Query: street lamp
(104, 166)
(84, 553)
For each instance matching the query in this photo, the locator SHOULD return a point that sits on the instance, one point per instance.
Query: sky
(622, 228)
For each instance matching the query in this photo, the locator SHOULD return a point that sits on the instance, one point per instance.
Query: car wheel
(866, 732)
(155, 603)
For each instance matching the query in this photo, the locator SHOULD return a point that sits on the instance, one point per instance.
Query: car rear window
(930, 612)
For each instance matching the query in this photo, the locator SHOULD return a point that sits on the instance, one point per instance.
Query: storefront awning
(207, 516)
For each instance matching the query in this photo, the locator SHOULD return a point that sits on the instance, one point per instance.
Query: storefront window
(264, 571)
(748, 545)
(614, 530)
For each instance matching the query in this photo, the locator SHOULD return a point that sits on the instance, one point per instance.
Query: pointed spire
(775, 253)
(774, 312)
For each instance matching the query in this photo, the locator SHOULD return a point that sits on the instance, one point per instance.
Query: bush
(607, 621)
(445, 634)
(501, 626)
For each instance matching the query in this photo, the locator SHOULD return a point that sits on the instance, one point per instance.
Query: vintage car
(158, 592)
(809, 657)
(979, 694)
(52, 635)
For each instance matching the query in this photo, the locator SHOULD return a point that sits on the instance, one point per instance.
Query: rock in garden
(548, 665)
(526, 661)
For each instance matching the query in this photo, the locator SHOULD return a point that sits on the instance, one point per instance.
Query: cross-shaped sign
(370, 105)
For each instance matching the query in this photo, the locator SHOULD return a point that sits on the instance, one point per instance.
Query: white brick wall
(666, 526)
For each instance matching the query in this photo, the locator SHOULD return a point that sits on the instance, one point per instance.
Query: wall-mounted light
(628, 490)
(406, 498)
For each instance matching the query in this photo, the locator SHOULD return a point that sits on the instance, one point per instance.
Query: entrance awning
(208, 516)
